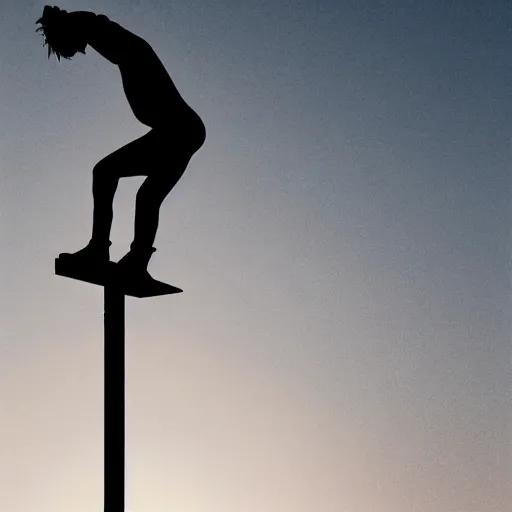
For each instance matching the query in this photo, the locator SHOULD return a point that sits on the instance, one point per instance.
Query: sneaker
(135, 263)
(93, 254)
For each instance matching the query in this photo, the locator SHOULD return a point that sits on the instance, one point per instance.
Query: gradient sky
(343, 240)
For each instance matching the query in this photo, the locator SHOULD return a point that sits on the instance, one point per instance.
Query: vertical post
(114, 401)
(114, 363)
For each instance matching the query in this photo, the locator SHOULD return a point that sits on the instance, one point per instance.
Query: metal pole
(114, 402)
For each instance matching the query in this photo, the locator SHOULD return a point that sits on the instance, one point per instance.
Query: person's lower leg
(103, 191)
(141, 249)
(146, 224)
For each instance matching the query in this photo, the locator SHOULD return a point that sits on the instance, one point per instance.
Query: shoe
(135, 262)
(93, 254)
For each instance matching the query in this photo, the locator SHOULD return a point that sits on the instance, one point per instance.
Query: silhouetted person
(162, 154)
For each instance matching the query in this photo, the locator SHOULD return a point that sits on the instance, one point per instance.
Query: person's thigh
(141, 157)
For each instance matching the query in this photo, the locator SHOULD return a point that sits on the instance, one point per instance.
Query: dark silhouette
(162, 154)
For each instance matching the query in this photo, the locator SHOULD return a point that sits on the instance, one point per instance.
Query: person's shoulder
(104, 22)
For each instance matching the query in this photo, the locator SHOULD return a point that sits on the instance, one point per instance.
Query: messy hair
(54, 30)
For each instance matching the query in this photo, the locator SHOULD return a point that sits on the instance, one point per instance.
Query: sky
(342, 239)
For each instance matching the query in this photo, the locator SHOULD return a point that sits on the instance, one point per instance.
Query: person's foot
(94, 254)
(135, 262)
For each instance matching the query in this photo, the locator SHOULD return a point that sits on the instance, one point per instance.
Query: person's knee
(98, 171)
(103, 172)
(150, 197)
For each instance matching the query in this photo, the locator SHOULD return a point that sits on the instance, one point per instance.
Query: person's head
(61, 35)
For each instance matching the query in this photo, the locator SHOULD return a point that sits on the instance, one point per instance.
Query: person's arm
(108, 38)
